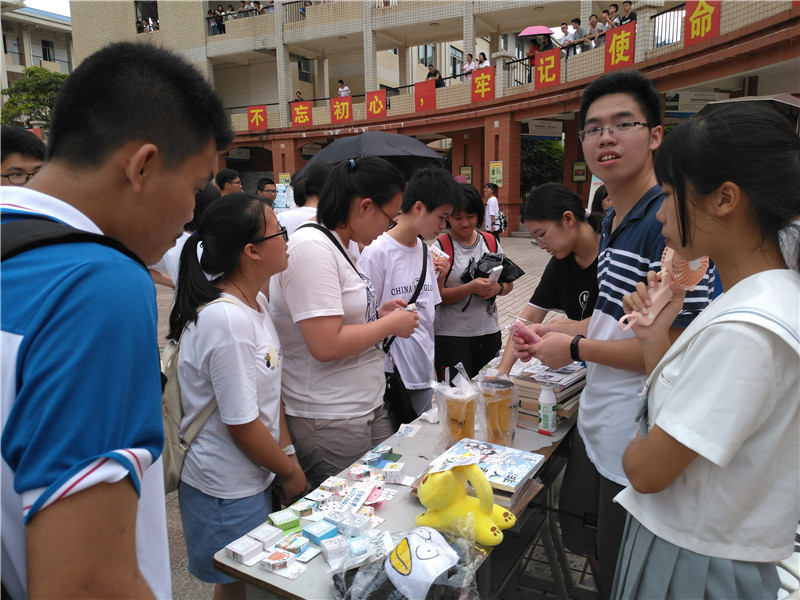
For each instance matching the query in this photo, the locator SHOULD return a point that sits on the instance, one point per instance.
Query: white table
(399, 514)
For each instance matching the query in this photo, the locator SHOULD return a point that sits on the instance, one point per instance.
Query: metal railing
(64, 64)
(17, 58)
(668, 26)
(295, 11)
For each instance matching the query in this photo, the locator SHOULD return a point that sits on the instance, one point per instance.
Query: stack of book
(509, 471)
(567, 383)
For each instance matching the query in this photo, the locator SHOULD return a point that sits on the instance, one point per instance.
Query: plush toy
(444, 494)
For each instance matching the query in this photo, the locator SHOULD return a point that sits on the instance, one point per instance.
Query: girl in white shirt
(393, 263)
(715, 470)
(483, 61)
(331, 325)
(469, 67)
(230, 353)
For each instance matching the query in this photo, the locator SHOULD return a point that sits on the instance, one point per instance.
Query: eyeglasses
(239, 183)
(266, 191)
(539, 239)
(283, 231)
(19, 178)
(595, 133)
(392, 220)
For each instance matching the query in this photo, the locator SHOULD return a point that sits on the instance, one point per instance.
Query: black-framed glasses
(283, 231)
(623, 127)
(19, 178)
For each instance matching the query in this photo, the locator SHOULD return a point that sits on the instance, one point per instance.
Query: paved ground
(519, 249)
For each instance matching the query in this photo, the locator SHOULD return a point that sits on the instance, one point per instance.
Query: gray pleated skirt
(650, 568)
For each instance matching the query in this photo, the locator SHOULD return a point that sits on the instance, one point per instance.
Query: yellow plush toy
(444, 494)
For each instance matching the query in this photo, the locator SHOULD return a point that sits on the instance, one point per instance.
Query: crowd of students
(298, 373)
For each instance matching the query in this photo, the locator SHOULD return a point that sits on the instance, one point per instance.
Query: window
(147, 13)
(426, 54)
(504, 42)
(393, 51)
(519, 50)
(48, 51)
(456, 60)
(304, 70)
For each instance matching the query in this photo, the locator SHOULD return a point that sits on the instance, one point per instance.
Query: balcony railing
(668, 26)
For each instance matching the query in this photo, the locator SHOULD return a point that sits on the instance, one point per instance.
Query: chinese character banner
(425, 95)
(256, 117)
(548, 68)
(483, 84)
(301, 114)
(341, 109)
(619, 47)
(701, 21)
(376, 104)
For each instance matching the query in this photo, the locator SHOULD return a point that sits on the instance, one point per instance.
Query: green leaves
(32, 97)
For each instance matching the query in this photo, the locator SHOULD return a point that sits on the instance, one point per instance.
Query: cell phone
(518, 327)
(494, 274)
(439, 252)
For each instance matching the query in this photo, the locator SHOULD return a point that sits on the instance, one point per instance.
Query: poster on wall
(496, 172)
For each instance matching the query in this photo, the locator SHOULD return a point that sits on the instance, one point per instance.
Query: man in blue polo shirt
(135, 132)
(620, 120)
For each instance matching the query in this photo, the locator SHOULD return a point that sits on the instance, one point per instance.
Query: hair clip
(352, 163)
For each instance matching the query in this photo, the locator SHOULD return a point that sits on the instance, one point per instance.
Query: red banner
(301, 114)
(548, 68)
(341, 109)
(620, 46)
(425, 95)
(701, 21)
(483, 84)
(376, 104)
(256, 117)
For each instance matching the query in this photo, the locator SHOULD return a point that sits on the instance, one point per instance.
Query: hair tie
(588, 212)
(352, 163)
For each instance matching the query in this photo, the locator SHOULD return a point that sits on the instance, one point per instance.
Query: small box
(304, 507)
(294, 543)
(355, 525)
(267, 535)
(333, 485)
(383, 450)
(334, 548)
(335, 517)
(321, 530)
(371, 459)
(367, 511)
(285, 519)
(321, 497)
(243, 549)
(394, 472)
(359, 472)
(277, 560)
(359, 545)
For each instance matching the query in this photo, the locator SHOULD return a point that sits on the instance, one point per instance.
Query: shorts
(210, 524)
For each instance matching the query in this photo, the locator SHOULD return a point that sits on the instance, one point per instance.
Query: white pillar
(284, 70)
(468, 29)
(370, 51)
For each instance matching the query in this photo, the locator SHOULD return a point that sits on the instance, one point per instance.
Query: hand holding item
(403, 322)
(390, 306)
(552, 349)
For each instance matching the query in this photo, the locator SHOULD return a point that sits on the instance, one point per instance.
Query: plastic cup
(500, 400)
(460, 415)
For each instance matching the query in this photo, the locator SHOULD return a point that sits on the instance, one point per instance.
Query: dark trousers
(473, 352)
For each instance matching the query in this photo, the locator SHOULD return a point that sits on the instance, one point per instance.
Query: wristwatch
(289, 450)
(573, 347)
(502, 287)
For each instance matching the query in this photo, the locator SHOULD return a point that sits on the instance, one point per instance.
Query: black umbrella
(786, 104)
(404, 152)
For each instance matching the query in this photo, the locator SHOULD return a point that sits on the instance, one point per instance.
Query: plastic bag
(499, 411)
(457, 407)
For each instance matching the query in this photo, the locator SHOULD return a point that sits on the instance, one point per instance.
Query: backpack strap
(446, 243)
(332, 238)
(489, 240)
(31, 232)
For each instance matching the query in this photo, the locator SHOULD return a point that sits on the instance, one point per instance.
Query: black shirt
(567, 287)
(438, 78)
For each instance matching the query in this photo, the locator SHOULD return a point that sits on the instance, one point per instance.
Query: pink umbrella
(536, 30)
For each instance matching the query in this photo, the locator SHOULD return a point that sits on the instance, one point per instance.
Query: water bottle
(547, 410)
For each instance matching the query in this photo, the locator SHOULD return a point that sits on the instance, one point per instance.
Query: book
(517, 501)
(533, 376)
(531, 415)
(506, 469)
(565, 408)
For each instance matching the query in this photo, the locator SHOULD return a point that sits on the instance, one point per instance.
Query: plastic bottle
(547, 411)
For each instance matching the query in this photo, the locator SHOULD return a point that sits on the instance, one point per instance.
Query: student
(628, 16)
(267, 191)
(393, 263)
(330, 324)
(492, 210)
(433, 73)
(556, 219)
(230, 352)
(307, 188)
(466, 327)
(713, 498)
(228, 181)
(22, 155)
(594, 37)
(613, 9)
(298, 97)
(343, 89)
(579, 36)
(469, 67)
(82, 426)
(483, 62)
(620, 128)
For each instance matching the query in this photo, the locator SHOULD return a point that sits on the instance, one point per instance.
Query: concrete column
(404, 62)
(370, 50)
(503, 139)
(284, 70)
(573, 151)
(286, 156)
(468, 29)
(321, 78)
(645, 29)
(586, 12)
(494, 44)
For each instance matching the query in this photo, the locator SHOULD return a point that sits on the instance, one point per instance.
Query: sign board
(496, 172)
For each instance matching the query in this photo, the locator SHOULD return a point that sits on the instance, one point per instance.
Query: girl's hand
(390, 306)
(484, 289)
(641, 301)
(402, 322)
(440, 264)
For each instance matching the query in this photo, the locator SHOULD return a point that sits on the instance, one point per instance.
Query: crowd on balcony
(146, 25)
(253, 8)
(581, 39)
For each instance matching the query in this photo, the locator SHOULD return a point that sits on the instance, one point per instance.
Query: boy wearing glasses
(22, 155)
(267, 190)
(620, 120)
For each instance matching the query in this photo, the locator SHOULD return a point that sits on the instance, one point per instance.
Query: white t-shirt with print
(233, 353)
(344, 91)
(319, 282)
(469, 316)
(394, 270)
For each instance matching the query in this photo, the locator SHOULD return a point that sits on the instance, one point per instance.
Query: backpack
(502, 221)
(447, 245)
(175, 446)
(33, 231)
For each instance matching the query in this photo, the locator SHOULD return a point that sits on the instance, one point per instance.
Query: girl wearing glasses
(714, 470)
(556, 219)
(229, 351)
(331, 325)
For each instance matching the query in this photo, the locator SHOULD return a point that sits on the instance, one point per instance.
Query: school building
(695, 52)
